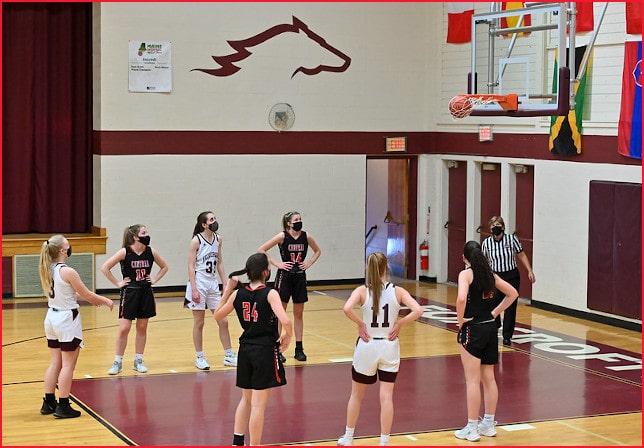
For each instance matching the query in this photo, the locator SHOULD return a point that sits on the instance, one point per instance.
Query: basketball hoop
(461, 106)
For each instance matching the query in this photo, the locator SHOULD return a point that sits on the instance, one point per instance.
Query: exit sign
(395, 144)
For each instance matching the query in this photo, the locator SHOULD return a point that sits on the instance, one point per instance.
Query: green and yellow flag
(565, 130)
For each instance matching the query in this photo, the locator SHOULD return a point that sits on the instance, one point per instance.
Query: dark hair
(255, 267)
(483, 275)
(202, 218)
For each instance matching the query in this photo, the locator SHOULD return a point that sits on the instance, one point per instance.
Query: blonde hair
(376, 269)
(48, 254)
(129, 233)
(287, 218)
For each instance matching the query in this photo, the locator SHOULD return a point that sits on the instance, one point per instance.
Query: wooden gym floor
(564, 381)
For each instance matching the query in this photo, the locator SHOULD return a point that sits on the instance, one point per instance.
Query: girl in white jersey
(377, 352)
(205, 261)
(62, 286)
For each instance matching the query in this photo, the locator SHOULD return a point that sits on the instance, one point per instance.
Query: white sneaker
(116, 368)
(487, 429)
(345, 441)
(201, 363)
(139, 367)
(230, 360)
(468, 433)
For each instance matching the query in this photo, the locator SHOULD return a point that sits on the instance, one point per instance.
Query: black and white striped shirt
(502, 253)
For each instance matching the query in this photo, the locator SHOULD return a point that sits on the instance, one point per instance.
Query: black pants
(510, 314)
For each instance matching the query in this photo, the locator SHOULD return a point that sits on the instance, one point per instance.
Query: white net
(461, 106)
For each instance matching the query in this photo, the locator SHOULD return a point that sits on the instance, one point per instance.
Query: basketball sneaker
(300, 355)
(66, 411)
(345, 441)
(47, 408)
(470, 433)
(117, 367)
(139, 367)
(230, 360)
(282, 358)
(201, 363)
(487, 429)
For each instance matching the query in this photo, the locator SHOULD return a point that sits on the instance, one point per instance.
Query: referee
(503, 250)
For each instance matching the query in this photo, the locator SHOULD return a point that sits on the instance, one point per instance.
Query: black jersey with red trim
(137, 267)
(294, 250)
(256, 316)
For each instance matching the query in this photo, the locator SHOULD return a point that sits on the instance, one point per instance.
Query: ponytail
(287, 218)
(376, 268)
(129, 233)
(255, 267)
(483, 275)
(48, 253)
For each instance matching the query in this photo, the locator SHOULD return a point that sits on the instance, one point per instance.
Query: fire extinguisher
(424, 255)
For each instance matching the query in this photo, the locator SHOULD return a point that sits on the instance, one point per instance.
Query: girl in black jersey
(477, 336)
(293, 244)
(259, 367)
(137, 299)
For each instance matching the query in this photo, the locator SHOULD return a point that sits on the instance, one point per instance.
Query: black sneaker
(299, 355)
(282, 358)
(63, 411)
(47, 408)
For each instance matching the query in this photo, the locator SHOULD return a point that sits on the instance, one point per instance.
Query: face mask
(497, 230)
(69, 251)
(214, 226)
(145, 240)
(297, 226)
(268, 277)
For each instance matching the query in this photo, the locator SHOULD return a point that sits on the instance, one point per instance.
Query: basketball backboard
(516, 51)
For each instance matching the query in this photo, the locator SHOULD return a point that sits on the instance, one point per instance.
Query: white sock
(384, 439)
(118, 358)
(488, 418)
(348, 432)
(200, 354)
(138, 356)
(229, 352)
(472, 423)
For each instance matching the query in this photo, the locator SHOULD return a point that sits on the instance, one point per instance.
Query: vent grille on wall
(26, 280)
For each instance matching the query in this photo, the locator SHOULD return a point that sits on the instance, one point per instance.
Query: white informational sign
(150, 68)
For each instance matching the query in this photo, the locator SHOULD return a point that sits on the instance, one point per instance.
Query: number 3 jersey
(137, 267)
(207, 256)
(379, 321)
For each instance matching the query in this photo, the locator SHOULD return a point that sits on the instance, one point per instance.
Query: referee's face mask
(497, 230)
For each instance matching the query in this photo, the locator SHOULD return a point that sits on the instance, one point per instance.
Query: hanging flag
(633, 18)
(513, 21)
(585, 16)
(459, 22)
(629, 130)
(565, 130)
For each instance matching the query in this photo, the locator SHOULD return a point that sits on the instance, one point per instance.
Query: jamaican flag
(565, 130)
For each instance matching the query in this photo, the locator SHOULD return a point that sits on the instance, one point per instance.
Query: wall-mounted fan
(281, 117)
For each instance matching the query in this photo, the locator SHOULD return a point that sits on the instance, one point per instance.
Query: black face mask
(268, 277)
(214, 226)
(145, 240)
(69, 251)
(297, 226)
(497, 230)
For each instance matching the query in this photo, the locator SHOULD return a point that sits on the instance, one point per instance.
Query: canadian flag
(633, 18)
(459, 22)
